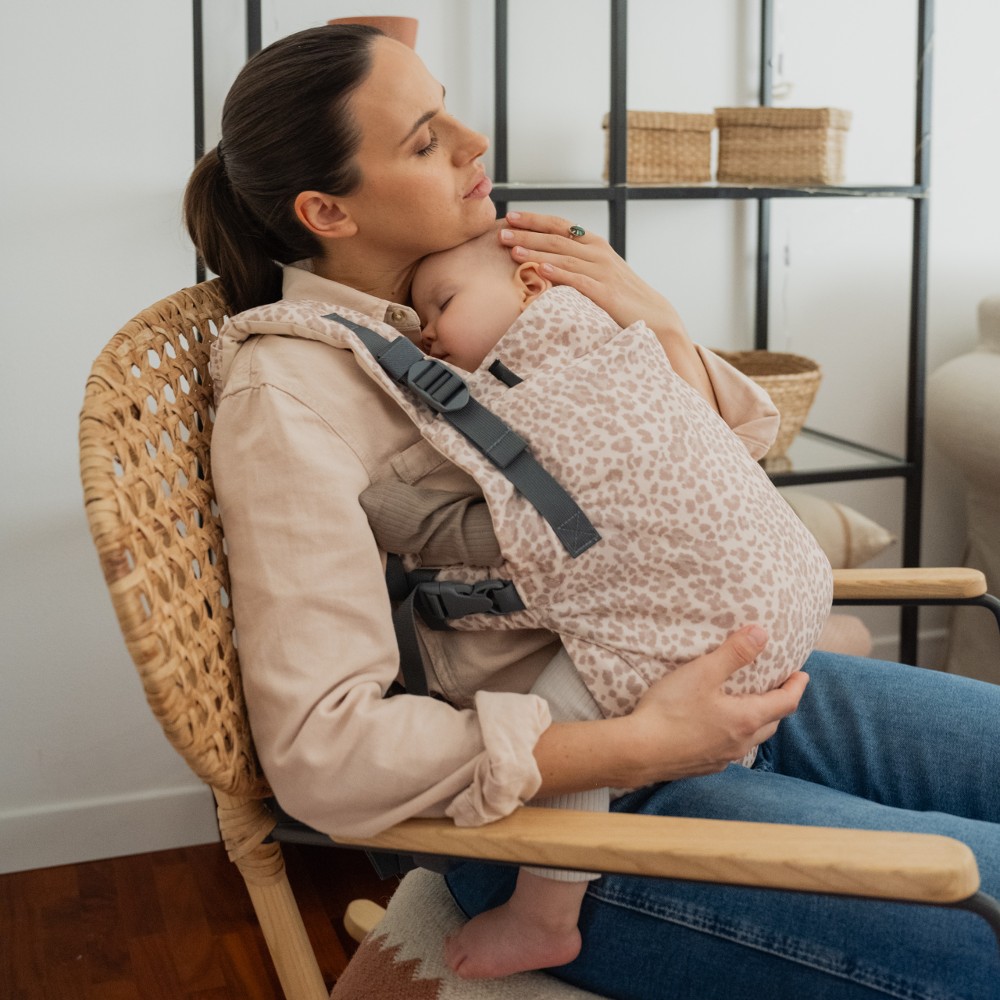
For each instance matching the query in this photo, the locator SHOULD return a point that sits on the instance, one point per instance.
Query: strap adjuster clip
(437, 385)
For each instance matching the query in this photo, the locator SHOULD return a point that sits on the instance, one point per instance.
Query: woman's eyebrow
(422, 120)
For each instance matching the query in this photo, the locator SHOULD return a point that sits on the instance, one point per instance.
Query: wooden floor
(173, 925)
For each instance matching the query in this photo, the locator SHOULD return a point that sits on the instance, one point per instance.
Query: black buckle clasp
(437, 385)
(438, 601)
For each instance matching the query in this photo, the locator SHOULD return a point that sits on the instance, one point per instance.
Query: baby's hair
(488, 249)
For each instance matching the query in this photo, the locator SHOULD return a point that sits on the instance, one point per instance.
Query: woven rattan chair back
(145, 431)
(144, 451)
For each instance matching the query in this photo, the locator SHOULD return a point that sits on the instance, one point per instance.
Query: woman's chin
(485, 218)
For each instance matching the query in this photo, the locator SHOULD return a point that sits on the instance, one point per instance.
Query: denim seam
(805, 953)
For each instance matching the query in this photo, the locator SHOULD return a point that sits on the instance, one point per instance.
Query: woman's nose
(469, 144)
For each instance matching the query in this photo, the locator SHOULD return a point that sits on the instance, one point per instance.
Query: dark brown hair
(286, 128)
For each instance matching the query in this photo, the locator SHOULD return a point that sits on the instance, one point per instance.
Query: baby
(696, 542)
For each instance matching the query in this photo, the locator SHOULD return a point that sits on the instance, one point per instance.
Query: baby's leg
(535, 929)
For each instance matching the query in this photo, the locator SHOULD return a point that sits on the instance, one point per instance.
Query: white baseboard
(71, 832)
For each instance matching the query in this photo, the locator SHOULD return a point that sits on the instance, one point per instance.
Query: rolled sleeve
(743, 404)
(506, 774)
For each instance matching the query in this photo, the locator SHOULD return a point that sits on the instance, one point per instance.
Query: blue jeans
(874, 746)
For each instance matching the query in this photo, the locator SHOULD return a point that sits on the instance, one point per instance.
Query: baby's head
(468, 296)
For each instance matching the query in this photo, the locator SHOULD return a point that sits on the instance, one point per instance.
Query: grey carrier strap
(448, 394)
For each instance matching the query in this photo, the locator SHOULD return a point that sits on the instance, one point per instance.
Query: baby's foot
(499, 943)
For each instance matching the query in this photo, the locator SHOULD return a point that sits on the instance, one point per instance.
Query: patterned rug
(401, 959)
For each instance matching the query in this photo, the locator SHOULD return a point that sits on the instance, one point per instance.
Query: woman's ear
(530, 282)
(323, 215)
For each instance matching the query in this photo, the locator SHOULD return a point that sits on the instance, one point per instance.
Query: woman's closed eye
(431, 145)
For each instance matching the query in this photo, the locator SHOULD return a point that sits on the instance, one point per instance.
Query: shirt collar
(300, 282)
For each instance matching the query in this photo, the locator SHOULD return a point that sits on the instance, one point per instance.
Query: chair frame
(144, 455)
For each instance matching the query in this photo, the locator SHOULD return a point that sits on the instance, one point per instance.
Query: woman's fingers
(590, 265)
(754, 717)
(775, 705)
(740, 650)
(585, 263)
(764, 711)
(537, 223)
(547, 238)
(686, 723)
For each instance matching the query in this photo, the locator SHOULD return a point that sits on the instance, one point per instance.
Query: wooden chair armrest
(909, 583)
(904, 866)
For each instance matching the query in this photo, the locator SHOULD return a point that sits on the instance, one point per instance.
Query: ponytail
(227, 236)
(286, 128)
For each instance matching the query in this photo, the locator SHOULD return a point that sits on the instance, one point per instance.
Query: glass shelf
(815, 457)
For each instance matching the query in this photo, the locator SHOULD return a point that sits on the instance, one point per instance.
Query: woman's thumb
(739, 649)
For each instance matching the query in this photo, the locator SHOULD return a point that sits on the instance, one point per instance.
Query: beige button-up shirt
(301, 431)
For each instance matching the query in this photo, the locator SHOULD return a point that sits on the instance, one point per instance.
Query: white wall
(97, 145)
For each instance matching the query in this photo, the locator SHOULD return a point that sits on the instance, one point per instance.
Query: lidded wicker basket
(665, 147)
(789, 379)
(782, 145)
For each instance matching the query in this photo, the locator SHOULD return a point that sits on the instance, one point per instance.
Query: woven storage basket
(665, 147)
(782, 145)
(789, 379)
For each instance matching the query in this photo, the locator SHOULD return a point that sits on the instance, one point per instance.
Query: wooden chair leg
(244, 824)
(361, 918)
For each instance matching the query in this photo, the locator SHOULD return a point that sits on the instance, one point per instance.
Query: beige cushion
(845, 634)
(847, 537)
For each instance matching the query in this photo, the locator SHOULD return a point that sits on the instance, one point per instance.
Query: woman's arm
(589, 265)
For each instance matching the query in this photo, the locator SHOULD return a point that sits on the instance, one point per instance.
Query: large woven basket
(789, 379)
(666, 147)
(781, 145)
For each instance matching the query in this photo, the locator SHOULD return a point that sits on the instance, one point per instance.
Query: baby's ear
(531, 282)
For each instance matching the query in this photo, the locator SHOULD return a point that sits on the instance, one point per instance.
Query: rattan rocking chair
(145, 430)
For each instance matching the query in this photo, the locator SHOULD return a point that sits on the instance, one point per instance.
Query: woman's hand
(588, 264)
(684, 725)
(687, 725)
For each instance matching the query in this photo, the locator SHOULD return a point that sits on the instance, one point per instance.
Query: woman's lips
(481, 190)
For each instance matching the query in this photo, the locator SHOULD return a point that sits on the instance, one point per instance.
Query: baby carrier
(632, 521)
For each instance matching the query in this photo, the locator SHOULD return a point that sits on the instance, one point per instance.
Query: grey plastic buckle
(437, 385)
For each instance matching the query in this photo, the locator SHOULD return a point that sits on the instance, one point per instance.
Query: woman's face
(423, 188)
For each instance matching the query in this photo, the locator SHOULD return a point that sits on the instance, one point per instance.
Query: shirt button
(397, 315)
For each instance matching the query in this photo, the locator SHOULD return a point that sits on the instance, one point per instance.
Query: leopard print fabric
(696, 541)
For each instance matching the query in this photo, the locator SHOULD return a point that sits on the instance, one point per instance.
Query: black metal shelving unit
(814, 457)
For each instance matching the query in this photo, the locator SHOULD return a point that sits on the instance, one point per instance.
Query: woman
(337, 151)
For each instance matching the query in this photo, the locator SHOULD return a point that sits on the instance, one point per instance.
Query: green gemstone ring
(576, 231)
